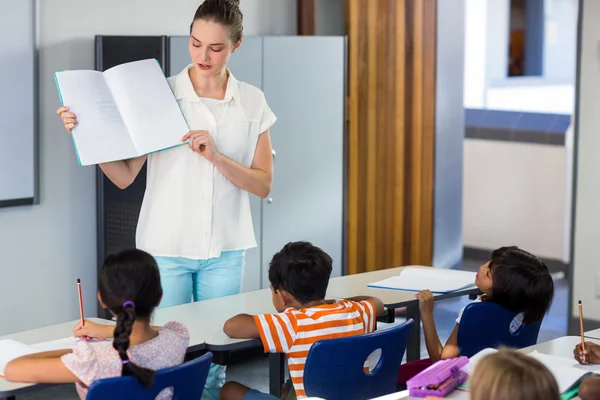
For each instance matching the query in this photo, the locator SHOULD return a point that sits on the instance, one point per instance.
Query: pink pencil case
(440, 379)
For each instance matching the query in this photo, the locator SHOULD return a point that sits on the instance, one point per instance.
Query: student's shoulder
(176, 329)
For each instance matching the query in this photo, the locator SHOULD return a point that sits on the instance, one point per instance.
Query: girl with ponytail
(129, 286)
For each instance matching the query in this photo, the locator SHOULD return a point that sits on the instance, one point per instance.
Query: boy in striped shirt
(299, 275)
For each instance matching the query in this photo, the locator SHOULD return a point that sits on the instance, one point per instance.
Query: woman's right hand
(69, 119)
(91, 330)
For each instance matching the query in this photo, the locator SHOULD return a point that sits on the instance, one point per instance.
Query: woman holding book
(195, 217)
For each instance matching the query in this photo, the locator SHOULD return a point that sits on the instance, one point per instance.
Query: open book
(438, 280)
(567, 372)
(11, 349)
(124, 112)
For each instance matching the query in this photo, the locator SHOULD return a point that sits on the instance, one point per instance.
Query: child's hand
(425, 301)
(591, 354)
(91, 330)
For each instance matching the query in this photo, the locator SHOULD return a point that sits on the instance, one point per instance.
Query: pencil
(581, 325)
(80, 302)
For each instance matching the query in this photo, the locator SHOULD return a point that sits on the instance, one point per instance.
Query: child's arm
(242, 326)
(432, 340)
(590, 388)
(377, 304)
(44, 367)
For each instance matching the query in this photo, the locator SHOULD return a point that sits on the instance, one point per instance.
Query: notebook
(438, 280)
(124, 112)
(11, 349)
(567, 372)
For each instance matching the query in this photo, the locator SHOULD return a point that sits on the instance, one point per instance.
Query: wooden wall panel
(391, 115)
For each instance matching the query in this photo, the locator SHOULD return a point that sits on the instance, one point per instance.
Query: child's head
(511, 375)
(299, 275)
(518, 281)
(129, 286)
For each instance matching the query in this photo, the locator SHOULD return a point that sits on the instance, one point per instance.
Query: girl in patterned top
(129, 286)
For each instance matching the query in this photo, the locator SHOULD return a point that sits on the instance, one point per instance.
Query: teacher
(195, 217)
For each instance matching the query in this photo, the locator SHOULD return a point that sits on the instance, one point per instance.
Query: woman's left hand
(201, 143)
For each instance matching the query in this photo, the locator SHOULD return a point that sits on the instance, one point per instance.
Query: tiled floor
(251, 368)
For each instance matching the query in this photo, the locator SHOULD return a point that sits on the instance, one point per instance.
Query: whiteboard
(18, 103)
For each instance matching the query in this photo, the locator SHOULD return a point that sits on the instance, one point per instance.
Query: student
(590, 387)
(129, 286)
(299, 275)
(513, 278)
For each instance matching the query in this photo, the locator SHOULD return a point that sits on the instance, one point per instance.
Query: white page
(438, 280)
(147, 104)
(566, 371)
(62, 344)
(11, 349)
(470, 367)
(100, 135)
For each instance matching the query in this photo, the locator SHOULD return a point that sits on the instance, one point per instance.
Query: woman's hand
(425, 301)
(201, 143)
(69, 119)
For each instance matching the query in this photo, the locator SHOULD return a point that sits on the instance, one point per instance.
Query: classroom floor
(252, 368)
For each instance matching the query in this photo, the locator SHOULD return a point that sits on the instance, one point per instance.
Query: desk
(11, 389)
(595, 334)
(355, 285)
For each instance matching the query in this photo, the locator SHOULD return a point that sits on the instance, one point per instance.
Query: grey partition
(304, 82)
(307, 199)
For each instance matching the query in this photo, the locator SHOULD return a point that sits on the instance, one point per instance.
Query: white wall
(531, 98)
(45, 248)
(514, 194)
(587, 168)
(486, 57)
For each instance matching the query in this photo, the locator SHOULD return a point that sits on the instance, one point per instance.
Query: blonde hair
(511, 375)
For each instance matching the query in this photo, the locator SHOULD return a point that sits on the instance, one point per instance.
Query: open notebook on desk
(11, 349)
(567, 372)
(124, 112)
(438, 280)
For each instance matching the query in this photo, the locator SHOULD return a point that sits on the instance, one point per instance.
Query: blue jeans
(183, 279)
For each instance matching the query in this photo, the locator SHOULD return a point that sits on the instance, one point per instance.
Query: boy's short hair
(521, 282)
(301, 269)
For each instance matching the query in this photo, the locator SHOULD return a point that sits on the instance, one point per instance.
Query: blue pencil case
(440, 379)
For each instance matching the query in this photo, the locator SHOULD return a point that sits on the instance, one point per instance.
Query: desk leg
(276, 373)
(413, 350)
(389, 317)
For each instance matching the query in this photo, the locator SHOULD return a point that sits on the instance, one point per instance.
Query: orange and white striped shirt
(294, 331)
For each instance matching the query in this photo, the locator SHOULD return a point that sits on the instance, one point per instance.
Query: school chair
(487, 324)
(335, 368)
(187, 381)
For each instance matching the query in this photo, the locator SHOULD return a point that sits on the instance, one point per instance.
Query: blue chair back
(187, 381)
(487, 324)
(335, 368)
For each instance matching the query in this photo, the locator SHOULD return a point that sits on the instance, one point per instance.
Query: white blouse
(190, 209)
